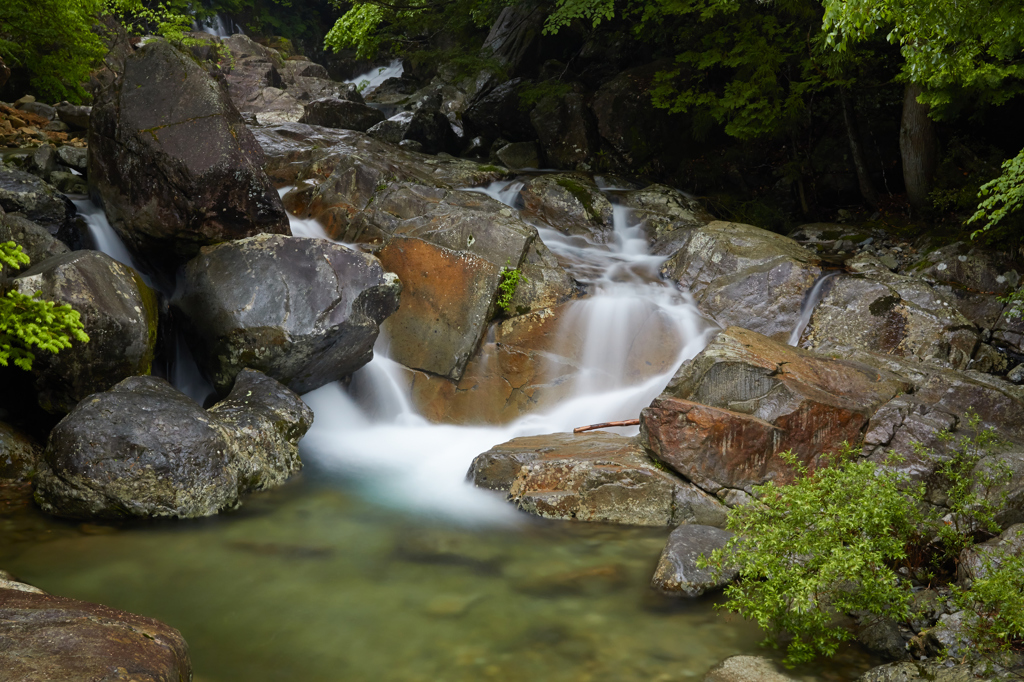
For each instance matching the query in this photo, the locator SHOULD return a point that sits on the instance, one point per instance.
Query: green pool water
(314, 582)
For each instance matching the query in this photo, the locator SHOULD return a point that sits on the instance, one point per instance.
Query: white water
(807, 307)
(372, 432)
(218, 26)
(378, 74)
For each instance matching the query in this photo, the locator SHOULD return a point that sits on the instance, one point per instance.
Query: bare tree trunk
(918, 147)
(867, 188)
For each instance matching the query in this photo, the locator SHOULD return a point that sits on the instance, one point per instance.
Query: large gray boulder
(173, 162)
(745, 276)
(304, 311)
(570, 203)
(566, 129)
(878, 311)
(678, 574)
(47, 638)
(35, 240)
(143, 449)
(119, 313)
(19, 454)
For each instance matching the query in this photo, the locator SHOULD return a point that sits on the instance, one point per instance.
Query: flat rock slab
(592, 477)
(46, 638)
(746, 669)
(677, 573)
(728, 412)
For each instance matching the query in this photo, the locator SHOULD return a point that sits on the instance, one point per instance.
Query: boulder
(629, 122)
(19, 454)
(662, 209)
(69, 183)
(727, 413)
(75, 116)
(35, 240)
(74, 157)
(393, 129)
(332, 112)
(566, 129)
(449, 249)
(677, 573)
(962, 265)
(47, 638)
(143, 449)
(119, 313)
(43, 161)
(343, 170)
(496, 111)
(304, 311)
(977, 561)
(912, 672)
(743, 275)
(393, 90)
(1008, 331)
(432, 130)
(878, 311)
(165, 195)
(746, 669)
(514, 39)
(571, 204)
(274, 105)
(24, 193)
(39, 109)
(519, 155)
(597, 476)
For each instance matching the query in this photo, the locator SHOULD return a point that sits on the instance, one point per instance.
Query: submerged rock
(174, 163)
(677, 573)
(598, 476)
(119, 313)
(746, 669)
(745, 276)
(143, 449)
(727, 413)
(304, 311)
(47, 638)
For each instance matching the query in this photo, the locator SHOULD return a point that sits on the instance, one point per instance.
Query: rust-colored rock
(46, 638)
(726, 414)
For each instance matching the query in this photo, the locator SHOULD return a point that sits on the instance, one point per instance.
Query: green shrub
(510, 278)
(998, 599)
(28, 322)
(824, 546)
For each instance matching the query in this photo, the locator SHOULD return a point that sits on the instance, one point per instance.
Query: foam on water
(378, 74)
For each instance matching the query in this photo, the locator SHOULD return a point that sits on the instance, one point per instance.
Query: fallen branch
(605, 425)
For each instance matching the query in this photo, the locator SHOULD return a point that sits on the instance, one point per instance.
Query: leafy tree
(55, 41)
(28, 322)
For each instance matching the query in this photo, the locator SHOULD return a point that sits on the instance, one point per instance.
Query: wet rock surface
(569, 203)
(22, 192)
(143, 449)
(745, 276)
(304, 311)
(19, 454)
(726, 414)
(119, 313)
(746, 669)
(35, 240)
(591, 477)
(332, 112)
(165, 195)
(47, 638)
(677, 573)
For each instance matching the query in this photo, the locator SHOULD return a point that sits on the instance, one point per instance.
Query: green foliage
(163, 19)
(823, 546)
(28, 322)
(530, 94)
(1015, 299)
(967, 487)
(998, 600)
(55, 41)
(1002, 196)
(510, 278)
(831, 543)
(568, 11)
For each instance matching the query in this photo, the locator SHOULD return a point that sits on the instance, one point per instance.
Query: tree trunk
(867, 188)
(917, 147)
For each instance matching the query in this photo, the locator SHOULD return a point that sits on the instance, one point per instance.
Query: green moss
(151, 311)
(582, 195)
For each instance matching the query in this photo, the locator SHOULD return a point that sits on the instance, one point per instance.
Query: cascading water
(808, 305)
(217, 26)
(377, 75)
(373, 433)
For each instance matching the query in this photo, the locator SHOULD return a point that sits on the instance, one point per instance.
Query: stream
(380, 562)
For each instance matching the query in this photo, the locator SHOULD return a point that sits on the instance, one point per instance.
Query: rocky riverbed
(266, 232)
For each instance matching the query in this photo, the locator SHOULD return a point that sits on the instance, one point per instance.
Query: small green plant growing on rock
(998, 600)
(510, 279)
(28, 322)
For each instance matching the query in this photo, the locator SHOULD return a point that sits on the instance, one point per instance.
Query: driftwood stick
(605, 425)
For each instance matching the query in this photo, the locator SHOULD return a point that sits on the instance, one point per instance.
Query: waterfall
(377, 75)
(808, 305)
